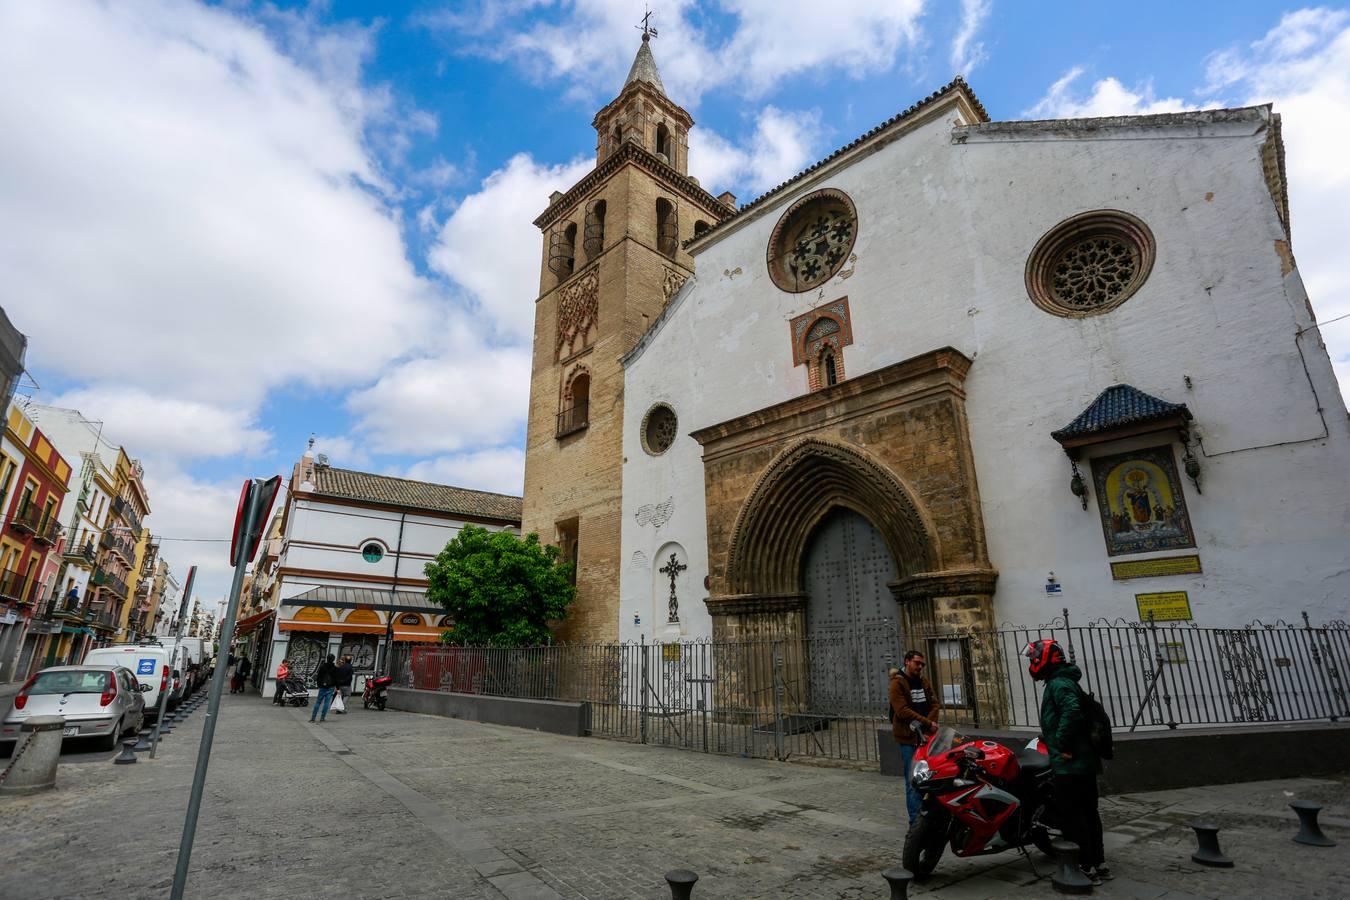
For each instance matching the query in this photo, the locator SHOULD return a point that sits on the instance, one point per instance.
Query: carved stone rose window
(812, 240)
(659, 429)
(1090, 264)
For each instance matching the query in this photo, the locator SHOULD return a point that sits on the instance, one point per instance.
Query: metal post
(777, 700)
(163, 704)
(642, 722)
(213, 704)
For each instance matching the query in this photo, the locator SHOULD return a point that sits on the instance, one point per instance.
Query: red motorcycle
(980, 797)
(374, 694)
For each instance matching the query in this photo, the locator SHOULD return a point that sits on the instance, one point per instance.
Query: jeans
(1076, 807)
(913, 799)
(321, 704)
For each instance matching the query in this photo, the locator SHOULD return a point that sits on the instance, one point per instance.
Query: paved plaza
(385, 805)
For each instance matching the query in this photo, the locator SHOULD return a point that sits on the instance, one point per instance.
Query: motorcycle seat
(1031, 762)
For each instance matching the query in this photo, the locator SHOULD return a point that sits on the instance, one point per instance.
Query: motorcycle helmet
(1041, 655)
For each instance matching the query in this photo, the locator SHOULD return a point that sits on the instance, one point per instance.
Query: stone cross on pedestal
(672, 569)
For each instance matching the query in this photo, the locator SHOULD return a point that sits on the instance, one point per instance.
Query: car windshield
(943, 741)
(87, 682)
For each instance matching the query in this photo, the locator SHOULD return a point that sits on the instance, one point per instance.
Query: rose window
(812, 241)
(659, 429)
(1090, 264)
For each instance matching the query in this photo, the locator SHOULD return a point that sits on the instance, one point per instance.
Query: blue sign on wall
(145, 667)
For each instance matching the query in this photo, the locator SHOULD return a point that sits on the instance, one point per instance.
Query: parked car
(101, 702)
(153, 664)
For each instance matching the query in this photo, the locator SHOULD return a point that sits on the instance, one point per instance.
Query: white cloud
(967, 53)
(498, 469)
(194, 518)
(171, 174)
(343, 452)
(467, 396)
(168, 427)
(1108, 97)
(489, 247)
(782, 144)
(857, 37)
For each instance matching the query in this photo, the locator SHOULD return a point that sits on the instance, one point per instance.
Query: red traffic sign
(255, 505)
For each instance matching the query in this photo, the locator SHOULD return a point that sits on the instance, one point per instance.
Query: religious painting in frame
(1141, 502)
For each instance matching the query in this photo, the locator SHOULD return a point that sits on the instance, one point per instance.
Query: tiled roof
(1118, 406)
(347, 483)
(956, 84)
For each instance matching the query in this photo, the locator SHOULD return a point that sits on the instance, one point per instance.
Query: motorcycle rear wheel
(924, 844)
(380, 703)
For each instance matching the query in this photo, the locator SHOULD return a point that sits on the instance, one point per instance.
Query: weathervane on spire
(648, 32)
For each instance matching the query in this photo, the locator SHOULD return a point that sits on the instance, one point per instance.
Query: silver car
(101, 702)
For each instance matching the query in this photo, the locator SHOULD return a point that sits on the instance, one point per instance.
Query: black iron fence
(827, 696)
(1152, 674)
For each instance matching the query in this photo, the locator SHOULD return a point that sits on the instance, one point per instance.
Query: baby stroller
(293, 691)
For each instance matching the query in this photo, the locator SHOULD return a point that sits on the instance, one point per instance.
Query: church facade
(960, 372)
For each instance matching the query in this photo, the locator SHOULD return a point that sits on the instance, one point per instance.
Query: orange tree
(500, 589)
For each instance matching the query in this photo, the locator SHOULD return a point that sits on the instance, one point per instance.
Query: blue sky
(231, 225)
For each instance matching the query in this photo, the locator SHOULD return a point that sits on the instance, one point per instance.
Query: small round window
(1090, 263)
(372, 552)
(812, 240)
(658, 429)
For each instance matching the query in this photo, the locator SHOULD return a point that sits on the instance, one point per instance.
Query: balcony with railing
(75, 553)
(114, 541)
(102, 578)
(127, 511)
(16, 587)
(28, 518)
(574, 418)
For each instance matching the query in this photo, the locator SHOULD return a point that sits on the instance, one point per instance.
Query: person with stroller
(283, 673)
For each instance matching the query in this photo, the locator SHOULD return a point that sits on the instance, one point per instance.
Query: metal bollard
(681, 883)
(166, 727)
(143, 743)
(36, 753)
(1309, 832)
(1209, 854)
(1069, 878)
(128, 754)
(899, 880)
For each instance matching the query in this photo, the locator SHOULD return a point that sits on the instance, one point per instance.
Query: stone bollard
(36, 753)
(681, 883)
(1309, 832)
(143, 744)
(128, 754)
(166, 727)
(1207, 839)
(1068, 877)
(899, 880)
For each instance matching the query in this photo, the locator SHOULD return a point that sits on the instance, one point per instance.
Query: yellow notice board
(1166, 606)
(1151, 568)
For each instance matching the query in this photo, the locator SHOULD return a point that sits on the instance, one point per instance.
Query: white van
(198, 665)
(153, 664)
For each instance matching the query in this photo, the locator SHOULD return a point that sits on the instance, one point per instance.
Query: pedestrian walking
(283, 672)
(241, 670)
(913, 701)
(326, 678)
(344, 683)
(1074, 762)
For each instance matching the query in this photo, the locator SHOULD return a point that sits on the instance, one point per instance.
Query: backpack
(1098, 725)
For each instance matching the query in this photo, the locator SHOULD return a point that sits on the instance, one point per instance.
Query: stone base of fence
(1191, 757)
(553, 716)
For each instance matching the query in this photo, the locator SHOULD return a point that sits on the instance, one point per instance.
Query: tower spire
(644, 64)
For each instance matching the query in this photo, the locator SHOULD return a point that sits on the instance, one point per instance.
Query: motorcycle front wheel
(924, 843)
(365, 701)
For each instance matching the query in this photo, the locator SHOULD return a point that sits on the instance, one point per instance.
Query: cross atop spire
(648, 32)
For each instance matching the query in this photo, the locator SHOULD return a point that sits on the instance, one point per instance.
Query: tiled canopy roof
(352, 598)
(1120, 406)
(353, 485)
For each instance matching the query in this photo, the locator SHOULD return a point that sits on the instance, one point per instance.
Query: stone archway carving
(808, 479)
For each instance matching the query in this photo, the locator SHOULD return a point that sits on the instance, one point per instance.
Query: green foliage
(500, 589)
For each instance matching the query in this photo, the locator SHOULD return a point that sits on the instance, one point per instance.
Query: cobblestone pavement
(384, 805)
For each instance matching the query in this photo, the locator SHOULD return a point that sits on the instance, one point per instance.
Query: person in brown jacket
(912, 700)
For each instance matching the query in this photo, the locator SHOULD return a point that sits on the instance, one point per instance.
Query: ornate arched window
(576, 401)
(663, 143)
(562, 244)
(593, 240)
(667, 227)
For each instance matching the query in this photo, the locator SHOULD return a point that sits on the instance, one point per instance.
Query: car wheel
(109, 742)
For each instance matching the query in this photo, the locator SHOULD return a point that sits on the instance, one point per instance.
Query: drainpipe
(393, 595)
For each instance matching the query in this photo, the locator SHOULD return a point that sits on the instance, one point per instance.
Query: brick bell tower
(613, 257)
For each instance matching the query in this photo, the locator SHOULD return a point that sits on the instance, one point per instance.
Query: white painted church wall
(944, 233)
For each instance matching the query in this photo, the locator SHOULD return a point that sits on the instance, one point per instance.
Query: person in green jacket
(1064, 728)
